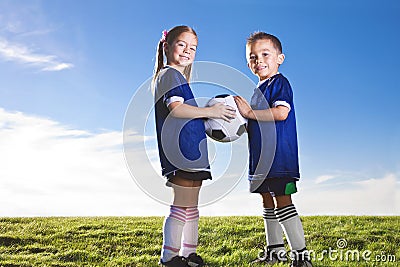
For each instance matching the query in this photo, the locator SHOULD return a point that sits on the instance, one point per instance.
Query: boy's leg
(273, 230)
(291, 223)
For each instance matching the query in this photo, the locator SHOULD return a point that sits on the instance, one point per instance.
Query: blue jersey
(273, 145)
(182, 143)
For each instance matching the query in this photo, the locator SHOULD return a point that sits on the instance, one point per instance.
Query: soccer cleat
(301, 263)
(177, 261)
(194, 260)
(270, 257)
(300, 258)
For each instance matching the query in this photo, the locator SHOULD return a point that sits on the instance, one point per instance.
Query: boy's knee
(283, 201)
(268, 201)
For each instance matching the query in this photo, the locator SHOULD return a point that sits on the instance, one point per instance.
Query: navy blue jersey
(182, 143)
(273, 145)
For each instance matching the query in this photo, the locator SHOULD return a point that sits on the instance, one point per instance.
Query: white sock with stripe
(293, 228)
(273, 232)
(190, 232)
(172, 233)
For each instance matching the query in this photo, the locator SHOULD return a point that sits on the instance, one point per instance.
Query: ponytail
(159, 60)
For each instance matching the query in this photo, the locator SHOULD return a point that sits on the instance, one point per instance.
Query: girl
(181, 143)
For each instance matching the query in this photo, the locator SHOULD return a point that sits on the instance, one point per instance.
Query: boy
(273, 163)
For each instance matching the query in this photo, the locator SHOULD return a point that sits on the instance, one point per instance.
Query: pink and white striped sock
(190, 232)
(172, 233)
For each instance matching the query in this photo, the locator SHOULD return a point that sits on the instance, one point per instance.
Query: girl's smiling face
(182, 51)
(263, 58)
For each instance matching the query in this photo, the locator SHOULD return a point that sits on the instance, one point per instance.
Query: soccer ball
(221, 130)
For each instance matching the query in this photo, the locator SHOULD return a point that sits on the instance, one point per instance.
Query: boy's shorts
(274, 186)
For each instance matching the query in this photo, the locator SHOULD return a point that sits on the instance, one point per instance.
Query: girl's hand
(222, 111)
(243, 106)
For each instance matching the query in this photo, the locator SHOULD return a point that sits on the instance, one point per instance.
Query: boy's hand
(243, 106)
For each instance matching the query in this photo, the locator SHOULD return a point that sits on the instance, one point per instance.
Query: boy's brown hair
(265, 36)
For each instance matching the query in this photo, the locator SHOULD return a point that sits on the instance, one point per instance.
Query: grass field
(224, 241)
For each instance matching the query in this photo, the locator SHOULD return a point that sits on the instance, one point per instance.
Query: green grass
(223, 241)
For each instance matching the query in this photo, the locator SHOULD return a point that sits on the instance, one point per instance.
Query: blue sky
(68, 70)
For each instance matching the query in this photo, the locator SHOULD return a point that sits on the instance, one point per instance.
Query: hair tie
(164, 36)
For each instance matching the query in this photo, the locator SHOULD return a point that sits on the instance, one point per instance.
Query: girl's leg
(187, 194)
(183, 219)
(172, 233)
(190, 232)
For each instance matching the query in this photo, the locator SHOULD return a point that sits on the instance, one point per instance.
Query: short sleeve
(172, 84)
(281, 103)
(172, 99)
(281, 93)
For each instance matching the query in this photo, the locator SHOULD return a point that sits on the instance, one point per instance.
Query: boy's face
(263, 58)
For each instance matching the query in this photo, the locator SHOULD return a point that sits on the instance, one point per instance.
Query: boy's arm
(278, 113)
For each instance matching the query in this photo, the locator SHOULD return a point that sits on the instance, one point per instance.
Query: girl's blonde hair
(170, 37)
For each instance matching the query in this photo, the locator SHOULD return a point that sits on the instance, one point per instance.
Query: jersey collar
(269, 79)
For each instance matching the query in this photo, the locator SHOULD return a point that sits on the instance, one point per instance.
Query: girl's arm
(218, 111)
(278, 113)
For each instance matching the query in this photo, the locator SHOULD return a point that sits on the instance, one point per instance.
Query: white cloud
(25, 32)
(373, 196)
(324, 178)
(50, 169)
(22, 54)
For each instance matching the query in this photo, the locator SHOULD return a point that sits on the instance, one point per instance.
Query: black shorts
(194, 176)
(275, 186)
